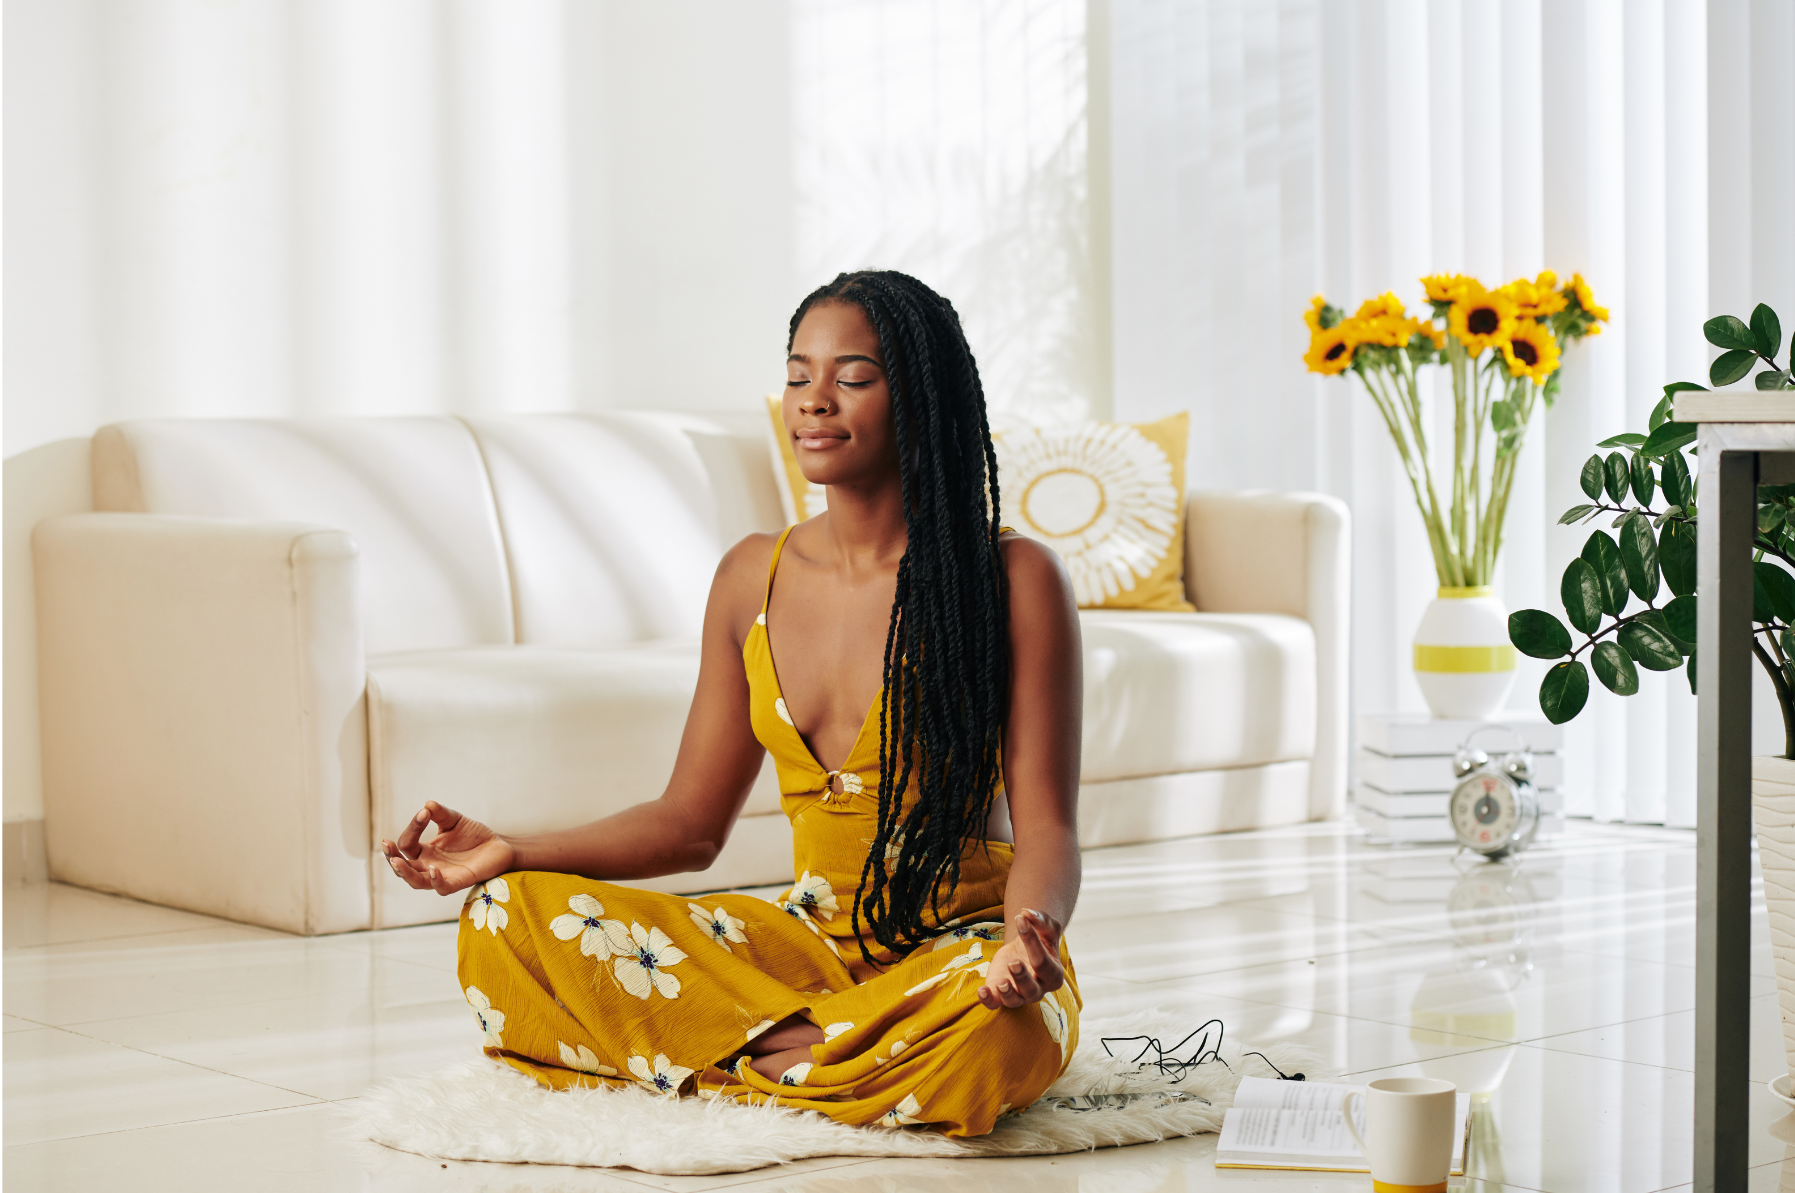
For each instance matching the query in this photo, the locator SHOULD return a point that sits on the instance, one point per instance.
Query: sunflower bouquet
(1502, 349)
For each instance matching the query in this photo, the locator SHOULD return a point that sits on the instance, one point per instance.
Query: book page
(1260, 1093)
(1306, 1133)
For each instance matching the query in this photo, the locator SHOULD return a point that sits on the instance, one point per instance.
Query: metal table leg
(1723, 820)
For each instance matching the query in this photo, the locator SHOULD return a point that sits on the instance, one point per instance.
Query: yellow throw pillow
(799, 498)
(1109, 497)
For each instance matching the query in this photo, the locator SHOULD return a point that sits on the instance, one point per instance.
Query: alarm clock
(1494, 809)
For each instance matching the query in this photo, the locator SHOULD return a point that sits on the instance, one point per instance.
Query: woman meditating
(914, 972)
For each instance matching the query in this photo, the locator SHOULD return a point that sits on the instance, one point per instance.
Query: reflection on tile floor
(155, 1049)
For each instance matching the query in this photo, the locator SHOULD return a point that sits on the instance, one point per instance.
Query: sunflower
(1530, 351)
(1449, 287)
(1535, 299)
(1436, 334)
(1384, 304)
(1389, 331)
(1580, 290)
(1482, 320)
(1312, 316)
(1330, 350)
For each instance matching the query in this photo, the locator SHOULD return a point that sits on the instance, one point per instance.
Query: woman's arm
(1041, 766)
(684, 829)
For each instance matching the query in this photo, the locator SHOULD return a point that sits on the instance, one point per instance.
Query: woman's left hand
(1027, 964)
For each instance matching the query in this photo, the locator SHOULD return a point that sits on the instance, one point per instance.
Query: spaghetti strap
(766, 598)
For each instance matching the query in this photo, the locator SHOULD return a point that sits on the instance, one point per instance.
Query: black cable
(1166, 1059)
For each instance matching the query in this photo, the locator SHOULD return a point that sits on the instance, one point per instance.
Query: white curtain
(1265, 152)
(949, 140)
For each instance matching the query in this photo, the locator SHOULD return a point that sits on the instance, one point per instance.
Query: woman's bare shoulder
(741, 578)
(1036, 573)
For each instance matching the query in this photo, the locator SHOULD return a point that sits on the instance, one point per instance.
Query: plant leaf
(1679, 618)
(1616, 474)
(1649, 646)
(1727, 331)
(1643, 484)
(1692, 673)
(1673, 478)
(1592, 478)
(1538, 634)
(1574, 513)
(1676, 557)
(1639, 555)
(1767, 331)
(1630, 439)
(1656, 619)
(1614, 669)
(1660, 414)
(1668, 438)
(1770, 516)
(1603, 555)
(1728, 367)
(1564, 691)
(1768, 379)
(1772, 593)
(1581, 592)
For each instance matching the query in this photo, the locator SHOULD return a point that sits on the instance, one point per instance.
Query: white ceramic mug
(1410, 1121)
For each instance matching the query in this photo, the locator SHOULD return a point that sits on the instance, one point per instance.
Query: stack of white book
(1299, 1124)
(1404, 769)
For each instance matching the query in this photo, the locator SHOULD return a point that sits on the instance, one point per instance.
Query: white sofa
(277, 638)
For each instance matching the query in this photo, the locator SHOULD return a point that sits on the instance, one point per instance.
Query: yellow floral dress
(576, 981)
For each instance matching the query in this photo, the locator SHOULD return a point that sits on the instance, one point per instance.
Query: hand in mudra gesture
(462, 853)
(1027, 964)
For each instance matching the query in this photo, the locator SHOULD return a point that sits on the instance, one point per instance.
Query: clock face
(1485, 811)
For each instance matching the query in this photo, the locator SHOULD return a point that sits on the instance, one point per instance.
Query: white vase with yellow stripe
(1463, 658)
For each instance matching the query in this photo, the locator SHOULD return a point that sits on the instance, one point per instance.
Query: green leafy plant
(1646, 486)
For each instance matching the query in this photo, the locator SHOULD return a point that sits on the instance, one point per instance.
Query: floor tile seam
(229, 1006)
(194, 1065)
(15, 949)
(180, 1122)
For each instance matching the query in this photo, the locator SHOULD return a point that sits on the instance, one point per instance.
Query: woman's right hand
(462, 853)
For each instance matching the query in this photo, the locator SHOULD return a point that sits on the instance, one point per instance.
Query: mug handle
(1346, 1112)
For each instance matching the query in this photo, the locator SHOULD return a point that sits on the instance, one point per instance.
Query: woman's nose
(816, 402)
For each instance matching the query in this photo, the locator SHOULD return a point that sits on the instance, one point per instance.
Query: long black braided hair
(947, 658)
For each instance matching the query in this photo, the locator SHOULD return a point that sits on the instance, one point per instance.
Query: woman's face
(837, 402)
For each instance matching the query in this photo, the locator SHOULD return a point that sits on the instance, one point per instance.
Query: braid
(946, 665)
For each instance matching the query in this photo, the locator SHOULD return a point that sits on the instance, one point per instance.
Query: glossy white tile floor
(152, 1049)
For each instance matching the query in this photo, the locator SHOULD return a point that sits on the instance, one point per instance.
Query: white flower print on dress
(662, 1076)
(492, 1020)
(719, 925)
(835, 1029)
(903, 1114)
(1055, 1015)
(813, 893)
(585, 924)
(584, 1061)
(991, 931)
(643, 961)
(784, 714)
(757, 1029)
(971, 957)
(483, 905)
(796, 1074)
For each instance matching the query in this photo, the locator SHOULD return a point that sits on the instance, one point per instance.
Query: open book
(1298, 1124)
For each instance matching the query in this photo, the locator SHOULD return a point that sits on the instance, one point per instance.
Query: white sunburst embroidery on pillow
(1100, 495)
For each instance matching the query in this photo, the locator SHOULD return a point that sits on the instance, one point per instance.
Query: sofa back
(551, 529)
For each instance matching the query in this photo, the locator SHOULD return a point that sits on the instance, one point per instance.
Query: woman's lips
(818, 439)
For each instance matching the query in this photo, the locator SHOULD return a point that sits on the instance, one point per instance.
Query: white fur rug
(487, 1111)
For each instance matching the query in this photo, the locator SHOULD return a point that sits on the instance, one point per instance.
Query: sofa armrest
(1262, 552)
(204, 733)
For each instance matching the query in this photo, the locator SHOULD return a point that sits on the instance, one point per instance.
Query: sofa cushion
(1169, 692)
(411, 492)
(614, 523)
(524, 739)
